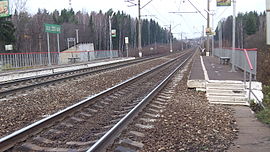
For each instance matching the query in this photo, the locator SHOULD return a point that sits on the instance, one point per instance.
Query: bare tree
(18, 6)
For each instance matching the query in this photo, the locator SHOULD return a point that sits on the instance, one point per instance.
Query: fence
(18, 60)
(240, 60)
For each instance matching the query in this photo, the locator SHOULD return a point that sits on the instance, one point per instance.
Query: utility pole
(268, 22)
(139, 29)
(110, 28)
(149, 33)
(233, 36)
(213, 34)
(182, 42)
(139, 23)
(202, 39)
(171, 38)
(49, 51)
(40, 47)
(208, 27)
(220, 34)
(58, 48)
(77, 35)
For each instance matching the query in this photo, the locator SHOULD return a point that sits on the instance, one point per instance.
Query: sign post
(49, 51)
(110, 24)
(126, 41)
(53, 28)
(4, 8)
(113, 35)
(58, 48)
(224, 2)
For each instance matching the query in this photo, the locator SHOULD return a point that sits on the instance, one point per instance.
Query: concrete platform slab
(196, 72)
(253, 135)
(217, 71)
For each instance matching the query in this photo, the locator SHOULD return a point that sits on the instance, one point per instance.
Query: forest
(26, 32)
(247, 24)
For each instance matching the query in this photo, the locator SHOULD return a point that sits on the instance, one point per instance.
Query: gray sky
(190, 24)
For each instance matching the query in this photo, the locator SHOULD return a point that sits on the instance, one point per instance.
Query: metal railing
(19, 60)
(239, 58)
(250, 76)
(245, 59)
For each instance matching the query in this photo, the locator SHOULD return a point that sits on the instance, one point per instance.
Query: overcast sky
(189, 24)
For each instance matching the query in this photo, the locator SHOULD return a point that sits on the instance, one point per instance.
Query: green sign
(4, 8)
(53, 28)
(223, 2)
(113, 32)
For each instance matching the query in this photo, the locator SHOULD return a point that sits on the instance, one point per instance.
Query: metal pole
(233, 38)
(220, 35)
(208, 27)
(242, 35)
(202, 42)
(68, 43)
(49, 52)
(74, 43)
(110, 28)
(77, 35)
(245, 71)
(182, 42)
(268, 22)
(249, 95)
(213, 34)
(171, 38)
(139, 30)
(127, 48)
(58, 48)
(40, 59)
(149, 34)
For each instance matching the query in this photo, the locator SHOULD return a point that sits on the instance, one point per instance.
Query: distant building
(79, 53)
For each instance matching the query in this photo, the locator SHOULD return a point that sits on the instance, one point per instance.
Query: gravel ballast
(190, 123)
(18, 112)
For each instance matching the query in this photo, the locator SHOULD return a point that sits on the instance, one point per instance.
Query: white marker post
(126, 41)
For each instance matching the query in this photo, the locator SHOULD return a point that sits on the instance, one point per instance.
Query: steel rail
(59, 73)
(17, 136)
(110, 135)
(44, 83)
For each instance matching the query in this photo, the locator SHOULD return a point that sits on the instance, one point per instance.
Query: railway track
(133, 137)
(15, 87)
(96, 120)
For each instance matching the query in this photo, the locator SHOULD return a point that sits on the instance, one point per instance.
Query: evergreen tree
(251, 23)
(6, 32)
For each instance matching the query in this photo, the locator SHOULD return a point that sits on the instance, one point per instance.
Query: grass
(264, 116)
(8, 67)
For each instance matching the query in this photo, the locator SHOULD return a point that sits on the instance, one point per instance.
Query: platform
(21, 74)
(222, 86)
(225, 87)
(214, 69)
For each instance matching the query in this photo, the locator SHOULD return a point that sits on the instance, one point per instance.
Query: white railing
(18, 60)
(250, 76)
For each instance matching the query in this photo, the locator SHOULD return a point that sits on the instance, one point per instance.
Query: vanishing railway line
(12, 88)
(95, 121)
(133, 137)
